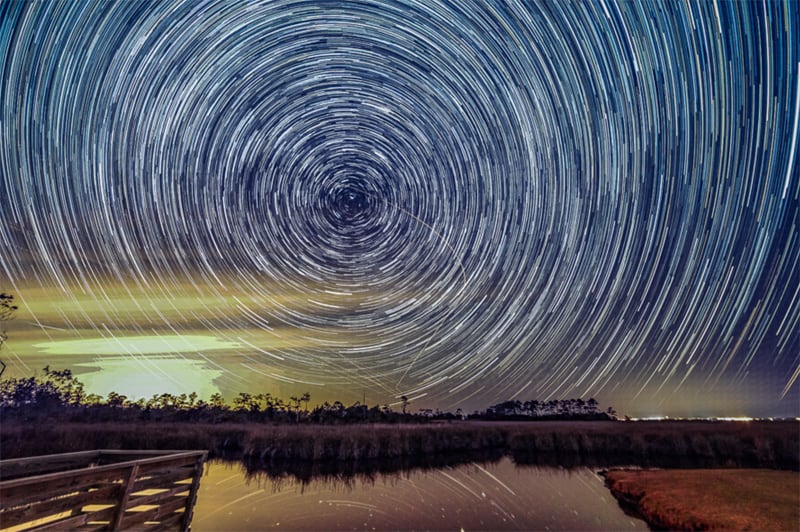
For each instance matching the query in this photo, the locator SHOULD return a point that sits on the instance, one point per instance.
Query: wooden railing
(100, 490)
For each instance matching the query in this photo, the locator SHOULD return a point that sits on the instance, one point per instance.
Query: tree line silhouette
(59, 394)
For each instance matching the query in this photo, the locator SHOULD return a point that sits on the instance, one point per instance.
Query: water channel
(497, 495)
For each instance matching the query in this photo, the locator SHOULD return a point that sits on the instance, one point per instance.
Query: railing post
(186, 521)
(127, 488)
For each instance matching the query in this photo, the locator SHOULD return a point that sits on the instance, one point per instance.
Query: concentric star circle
(451, 200)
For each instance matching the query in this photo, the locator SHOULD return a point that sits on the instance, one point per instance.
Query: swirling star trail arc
(459, 202)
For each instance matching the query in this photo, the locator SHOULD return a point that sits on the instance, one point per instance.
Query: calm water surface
(495, 496)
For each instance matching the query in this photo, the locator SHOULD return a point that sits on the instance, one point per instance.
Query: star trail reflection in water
(497, 496)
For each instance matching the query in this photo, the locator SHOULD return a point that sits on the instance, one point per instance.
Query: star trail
(457, 202)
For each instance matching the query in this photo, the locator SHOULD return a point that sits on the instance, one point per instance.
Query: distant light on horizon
(707, 418)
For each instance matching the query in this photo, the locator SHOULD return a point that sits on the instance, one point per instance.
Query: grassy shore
(771, 445)
(703, 499)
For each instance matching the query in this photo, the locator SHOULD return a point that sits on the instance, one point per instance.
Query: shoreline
(702, 499)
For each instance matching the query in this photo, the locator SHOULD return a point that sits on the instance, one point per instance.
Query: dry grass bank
(702, 499)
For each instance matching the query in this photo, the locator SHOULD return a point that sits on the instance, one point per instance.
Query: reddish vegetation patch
(702, 499)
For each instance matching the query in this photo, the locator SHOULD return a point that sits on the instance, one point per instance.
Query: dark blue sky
(460, 202)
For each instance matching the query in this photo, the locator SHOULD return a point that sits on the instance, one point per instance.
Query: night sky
(460, 202)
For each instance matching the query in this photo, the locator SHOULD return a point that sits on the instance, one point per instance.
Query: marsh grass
(668, 443)
(664, 443)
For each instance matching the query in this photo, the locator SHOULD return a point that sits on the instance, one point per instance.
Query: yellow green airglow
(143, 377)
(136, 345)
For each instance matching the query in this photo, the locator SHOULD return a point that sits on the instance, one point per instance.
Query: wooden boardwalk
(100, 490)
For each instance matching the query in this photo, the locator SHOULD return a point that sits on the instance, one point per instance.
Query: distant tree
(591, 404)
(116, 400)
(245, 402)
(182, 402)
(269, 403)
(581, 406)
(297, 400)
(58, 389)
(217, 401)
(93, 399)
(405, 402)
(167, 401)
(66, 385)
(7, 310)
(280, 406)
